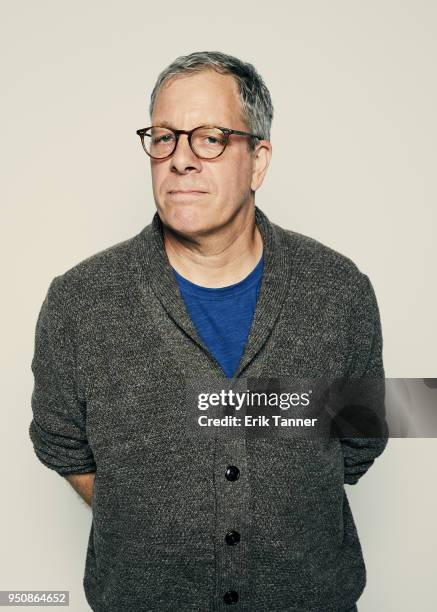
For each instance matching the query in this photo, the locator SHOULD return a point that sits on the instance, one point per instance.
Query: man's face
(186, 102)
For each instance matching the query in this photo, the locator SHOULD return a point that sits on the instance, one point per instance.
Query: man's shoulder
(102, 273)
(107, 265)
(315, 259)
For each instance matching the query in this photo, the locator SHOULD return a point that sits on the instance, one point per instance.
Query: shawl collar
(156, 271)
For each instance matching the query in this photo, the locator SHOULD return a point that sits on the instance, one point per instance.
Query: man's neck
(221, 259)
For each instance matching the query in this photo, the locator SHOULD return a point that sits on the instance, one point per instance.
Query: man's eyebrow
(165, 124)
(171, 127)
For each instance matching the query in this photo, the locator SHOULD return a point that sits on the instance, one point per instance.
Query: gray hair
(255, 98)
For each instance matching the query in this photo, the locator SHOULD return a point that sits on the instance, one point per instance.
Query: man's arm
(366, 362)
(58, 428)
(83, 484)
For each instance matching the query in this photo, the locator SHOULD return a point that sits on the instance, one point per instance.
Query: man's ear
(261, 160)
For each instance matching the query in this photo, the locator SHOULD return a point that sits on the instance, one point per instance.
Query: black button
(232, 538)
(230, 597)
(232, 473)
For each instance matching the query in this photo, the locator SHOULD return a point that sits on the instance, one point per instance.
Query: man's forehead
(176, 118)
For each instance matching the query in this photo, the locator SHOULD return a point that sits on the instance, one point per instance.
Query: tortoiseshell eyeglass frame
(226, 131)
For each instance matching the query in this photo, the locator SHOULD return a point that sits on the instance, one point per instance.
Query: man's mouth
(186, 191)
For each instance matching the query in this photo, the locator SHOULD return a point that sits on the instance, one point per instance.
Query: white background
(354, 165)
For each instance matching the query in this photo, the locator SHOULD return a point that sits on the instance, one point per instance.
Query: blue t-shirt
(223, 316)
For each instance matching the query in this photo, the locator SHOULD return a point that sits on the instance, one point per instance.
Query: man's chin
(187, 218)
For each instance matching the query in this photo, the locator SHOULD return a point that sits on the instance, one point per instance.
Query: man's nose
(183, 156)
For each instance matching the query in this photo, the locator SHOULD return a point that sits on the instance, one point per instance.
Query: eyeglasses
(206, 141)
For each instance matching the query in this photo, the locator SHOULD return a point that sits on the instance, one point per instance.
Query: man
(210, 288)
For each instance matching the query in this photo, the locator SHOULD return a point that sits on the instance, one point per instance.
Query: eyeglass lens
(206, 142)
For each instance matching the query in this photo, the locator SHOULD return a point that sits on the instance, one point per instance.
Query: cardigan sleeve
(366, 362)
(58, 426)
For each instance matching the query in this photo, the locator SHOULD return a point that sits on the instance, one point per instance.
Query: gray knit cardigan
(114, 346)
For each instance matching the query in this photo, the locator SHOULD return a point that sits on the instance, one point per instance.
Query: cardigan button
(232, 538)
(232, 473)
(230, 597)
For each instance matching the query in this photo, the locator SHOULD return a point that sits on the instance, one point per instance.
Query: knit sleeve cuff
(62, 454)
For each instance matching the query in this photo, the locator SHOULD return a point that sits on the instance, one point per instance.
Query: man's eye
(159, 139)
(212, 140)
